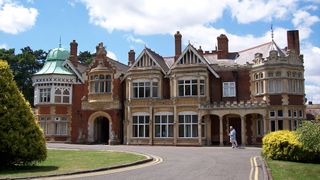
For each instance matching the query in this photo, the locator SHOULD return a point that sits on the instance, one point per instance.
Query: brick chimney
(131, 57)
(177, 45)
(293, 41)
(73, 52)
(223, 47)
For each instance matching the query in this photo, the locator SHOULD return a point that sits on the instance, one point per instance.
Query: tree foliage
(85, 57)
(309, 135)
(24, 65)
(21, 140)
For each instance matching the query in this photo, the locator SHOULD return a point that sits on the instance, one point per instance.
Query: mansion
(190, 98)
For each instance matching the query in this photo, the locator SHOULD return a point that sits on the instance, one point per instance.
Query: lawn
(294, 170)
(66, 161)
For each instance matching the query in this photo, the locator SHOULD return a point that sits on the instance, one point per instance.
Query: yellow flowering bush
(284, 145)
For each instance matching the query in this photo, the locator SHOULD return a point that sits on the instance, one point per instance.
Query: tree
(24, 65)
(85, 57)
(21, 140)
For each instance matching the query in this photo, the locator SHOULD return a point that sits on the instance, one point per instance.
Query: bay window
(100, 83)
(190, 87)
(145, 89)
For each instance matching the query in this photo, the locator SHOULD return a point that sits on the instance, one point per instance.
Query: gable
(189, 57)
(144, 60)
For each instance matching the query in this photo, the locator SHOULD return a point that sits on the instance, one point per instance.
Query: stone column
(150, 125)
(243, 131)
(221, 130)
(208, 124)
(199, 129)
(175, 125)
(264, 125)
(129, 125)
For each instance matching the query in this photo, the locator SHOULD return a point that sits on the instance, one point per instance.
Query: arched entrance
(99, 127)
(101, 130)
(255, 128)
(233, 120)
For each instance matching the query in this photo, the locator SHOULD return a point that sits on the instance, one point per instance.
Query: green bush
(309, 135)
(284, 145)
(21, 140)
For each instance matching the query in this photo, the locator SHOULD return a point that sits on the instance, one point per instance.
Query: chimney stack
(223, 46)
(131, 57)
(293, 41)
(177, 41)
(73, 51)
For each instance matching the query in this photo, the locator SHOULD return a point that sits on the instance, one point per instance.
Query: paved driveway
(194, 163)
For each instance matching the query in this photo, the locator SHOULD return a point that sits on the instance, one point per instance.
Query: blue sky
(126, 24)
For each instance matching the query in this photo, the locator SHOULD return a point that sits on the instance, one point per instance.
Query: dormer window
(100, 83)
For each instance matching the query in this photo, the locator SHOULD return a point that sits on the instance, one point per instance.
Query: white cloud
(207, 38)
(312, 73)
(247, 11)
(15, 18)
(303, 21)
(3, 46)
(132, 39)
(111, 55)
(313, 93)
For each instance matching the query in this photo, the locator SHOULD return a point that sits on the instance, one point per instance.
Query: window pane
(280, 124)
(181, 131)
(181, 90)
(157, 131)
(108, 88)
(141, 119)
(147, 91)
(146, 119)
(65, 99)
(194, 90)
(170, 131)
(135, 119)
(141, 131)
(135, 131)
(58, 91)
(194, 130)
(181, 118)
(135, 92)
(147, 131)
(154, 91)
(164, 119)
(194, 118)
(157, 119)
(187, 90)
(170, 118)
(273, 126)
(102, 86)
(163, 131)
(188, 130)
(66, 92)
(187, 118)
(141, 91)
(57, 99)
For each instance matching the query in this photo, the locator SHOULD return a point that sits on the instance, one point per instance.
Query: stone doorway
(101, 130)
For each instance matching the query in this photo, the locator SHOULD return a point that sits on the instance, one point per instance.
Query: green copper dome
(55, 63)
(58, 54)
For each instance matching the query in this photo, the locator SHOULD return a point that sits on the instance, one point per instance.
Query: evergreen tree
(21, 139)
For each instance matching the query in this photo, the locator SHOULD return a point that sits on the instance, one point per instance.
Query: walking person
(233, 137)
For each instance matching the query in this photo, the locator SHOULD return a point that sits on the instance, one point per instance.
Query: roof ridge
(255, 47)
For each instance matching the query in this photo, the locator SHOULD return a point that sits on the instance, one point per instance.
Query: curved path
(194, 163)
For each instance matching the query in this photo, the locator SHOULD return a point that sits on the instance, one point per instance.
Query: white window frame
(145, 125)
(193, 122)
(163, 124)
(153, 88)
(229, 89)
(45, 95)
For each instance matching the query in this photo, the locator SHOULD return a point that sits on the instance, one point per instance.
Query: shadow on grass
(27, 169)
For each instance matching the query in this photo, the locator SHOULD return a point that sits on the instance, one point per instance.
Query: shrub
(309, 135)
(284, 145)
(21, 139)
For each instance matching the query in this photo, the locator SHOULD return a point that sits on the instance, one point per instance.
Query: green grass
(293, 170)
(65, 161)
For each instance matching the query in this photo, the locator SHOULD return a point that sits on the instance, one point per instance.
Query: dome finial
(271, 31)
(60, 42)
